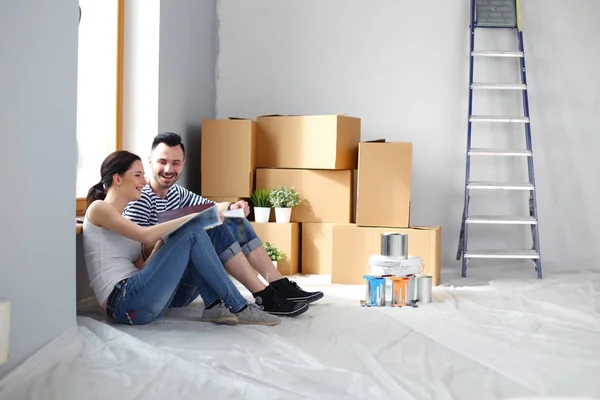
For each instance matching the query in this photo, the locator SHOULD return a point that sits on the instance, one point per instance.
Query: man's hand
(241, 204)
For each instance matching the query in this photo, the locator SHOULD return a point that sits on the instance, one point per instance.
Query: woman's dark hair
(117, 162)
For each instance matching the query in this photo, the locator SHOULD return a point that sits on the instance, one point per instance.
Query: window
(99, 89)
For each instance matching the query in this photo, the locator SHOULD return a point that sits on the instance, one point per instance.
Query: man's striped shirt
(145, 211)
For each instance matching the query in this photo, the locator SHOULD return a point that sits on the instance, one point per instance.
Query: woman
(134, 291)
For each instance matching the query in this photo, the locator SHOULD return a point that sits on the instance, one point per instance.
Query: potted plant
(274, 253)
(262, 206)
(284, 199)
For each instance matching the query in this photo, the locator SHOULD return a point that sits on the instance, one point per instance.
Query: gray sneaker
(219, 314)
(254, 315)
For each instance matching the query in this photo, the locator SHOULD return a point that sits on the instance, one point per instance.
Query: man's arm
(188, 199)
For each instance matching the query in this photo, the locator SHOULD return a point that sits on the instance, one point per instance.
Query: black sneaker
(291, 291)
(275, 304)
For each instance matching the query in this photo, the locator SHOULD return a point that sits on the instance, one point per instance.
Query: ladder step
(499, 185)
(500, 219)
(499, 86)
(497, 118)
(514, 254)
(496, 53)
(499, 152)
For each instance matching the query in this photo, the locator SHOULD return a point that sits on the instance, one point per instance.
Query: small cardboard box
(317, 247)
(228, 157)
(308, 141)
(326, 194)
(384, 183)
(285, 237)
(353, 245)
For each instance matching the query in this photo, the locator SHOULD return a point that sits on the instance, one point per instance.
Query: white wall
(38, 49)
(188, 43)
(402, 66)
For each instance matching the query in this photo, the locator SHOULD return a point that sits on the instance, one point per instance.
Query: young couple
(135, 284)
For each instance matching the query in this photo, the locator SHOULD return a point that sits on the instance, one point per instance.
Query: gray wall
(402, 66)
(188, 47)
(38, 49)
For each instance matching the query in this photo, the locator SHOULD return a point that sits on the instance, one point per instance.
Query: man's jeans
(186, 265)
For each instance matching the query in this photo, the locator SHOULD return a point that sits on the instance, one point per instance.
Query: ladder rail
(530, 166)
(464, 227)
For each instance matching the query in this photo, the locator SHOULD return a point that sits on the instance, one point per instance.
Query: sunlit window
(96, 89)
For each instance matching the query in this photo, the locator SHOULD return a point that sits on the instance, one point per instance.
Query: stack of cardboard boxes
(352, 191)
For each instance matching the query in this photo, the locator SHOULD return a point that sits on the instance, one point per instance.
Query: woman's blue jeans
(188, 264)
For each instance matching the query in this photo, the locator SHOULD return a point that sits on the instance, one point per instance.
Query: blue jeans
(228, 239)
(186, 264)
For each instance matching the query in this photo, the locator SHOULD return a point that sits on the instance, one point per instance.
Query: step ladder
(499, 14)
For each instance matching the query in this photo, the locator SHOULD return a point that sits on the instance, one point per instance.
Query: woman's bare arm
(103, 214)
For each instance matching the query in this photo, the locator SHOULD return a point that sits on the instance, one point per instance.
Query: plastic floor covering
(513, 337)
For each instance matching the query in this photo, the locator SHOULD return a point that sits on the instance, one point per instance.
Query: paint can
(375, 291)
(399, 290)
(424, 288)
(389, 289)
(394, 245)
(412, 290)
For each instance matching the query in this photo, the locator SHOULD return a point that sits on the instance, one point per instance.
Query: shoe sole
(222, 321)
(310, 299)
(272, 323)
(294, 313)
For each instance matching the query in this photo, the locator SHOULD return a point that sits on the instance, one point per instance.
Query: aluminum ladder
(499, 14)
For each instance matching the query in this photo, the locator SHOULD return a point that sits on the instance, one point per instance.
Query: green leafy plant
(284, 197)
(274, 253)
(260, 198)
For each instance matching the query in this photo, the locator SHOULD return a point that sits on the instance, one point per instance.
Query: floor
(498, 334)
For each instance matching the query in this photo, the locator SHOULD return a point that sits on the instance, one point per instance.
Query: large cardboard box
(384, 183)
(228, 157)
(317, 247)
(353, 245)
(308, 141)
(285, 237)
(326, 194)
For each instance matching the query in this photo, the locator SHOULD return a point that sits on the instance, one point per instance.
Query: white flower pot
(262, 214)
(274, 263)
(283, 215)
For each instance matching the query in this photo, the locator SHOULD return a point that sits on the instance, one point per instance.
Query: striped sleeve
(188, 199)
(139, 210)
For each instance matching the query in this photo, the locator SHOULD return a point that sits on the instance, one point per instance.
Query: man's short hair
(170, 139)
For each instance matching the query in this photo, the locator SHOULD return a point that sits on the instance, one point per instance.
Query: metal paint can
(424, 288)
(412, 290)
(375, 294)
(394, 244)
(399, 291)
(389, 289)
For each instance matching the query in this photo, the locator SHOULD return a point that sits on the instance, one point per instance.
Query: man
(281, 296)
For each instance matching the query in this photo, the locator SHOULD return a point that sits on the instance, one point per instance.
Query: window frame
(80, 205)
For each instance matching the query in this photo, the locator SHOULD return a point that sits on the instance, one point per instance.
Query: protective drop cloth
(505, 338)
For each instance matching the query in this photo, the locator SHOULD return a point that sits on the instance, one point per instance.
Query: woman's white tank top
(109, 258)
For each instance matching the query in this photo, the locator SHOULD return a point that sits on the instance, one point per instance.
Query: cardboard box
(309, 141)
(326, 194)
(353, 245)
(317, 247)
(384, 183)
(285, 237)
(228, 157)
